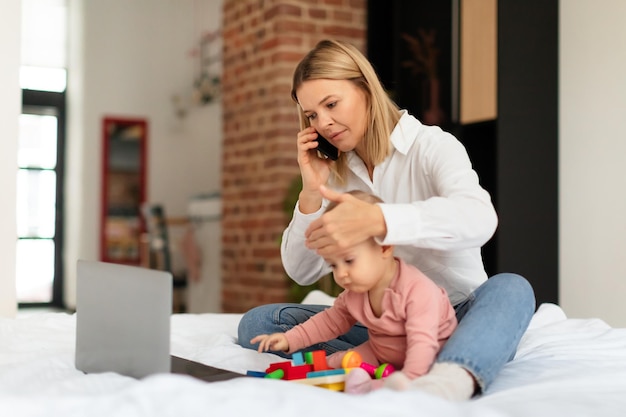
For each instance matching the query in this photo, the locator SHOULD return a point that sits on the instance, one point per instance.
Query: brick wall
(263, 41)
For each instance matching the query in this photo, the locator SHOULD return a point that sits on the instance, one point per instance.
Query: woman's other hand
(353, 221)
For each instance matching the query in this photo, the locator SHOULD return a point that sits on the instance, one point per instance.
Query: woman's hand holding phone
(314, 170)
(326, 149)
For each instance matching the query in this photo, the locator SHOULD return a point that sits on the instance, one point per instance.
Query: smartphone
(325, 148)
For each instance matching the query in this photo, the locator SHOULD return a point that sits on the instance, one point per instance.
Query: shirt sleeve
(302, 265)
(423, 327)
(323, 326)
(460, 213)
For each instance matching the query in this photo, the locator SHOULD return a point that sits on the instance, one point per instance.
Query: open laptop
(123, 323)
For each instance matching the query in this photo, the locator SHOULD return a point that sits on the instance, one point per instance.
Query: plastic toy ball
(351, 359)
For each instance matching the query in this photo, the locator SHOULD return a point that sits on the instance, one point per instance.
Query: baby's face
(360, 268)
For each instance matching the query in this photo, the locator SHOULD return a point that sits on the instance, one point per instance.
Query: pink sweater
(417, 320)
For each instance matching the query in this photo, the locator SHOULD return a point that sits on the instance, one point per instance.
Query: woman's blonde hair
(336, 60)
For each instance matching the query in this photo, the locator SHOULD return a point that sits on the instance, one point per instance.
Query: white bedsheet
(564, 367)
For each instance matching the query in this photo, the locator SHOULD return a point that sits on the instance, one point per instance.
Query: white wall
(127, 58)
(10, 108)
(592, 149)
(133, 63)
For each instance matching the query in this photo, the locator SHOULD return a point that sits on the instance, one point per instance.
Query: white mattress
(564, 367)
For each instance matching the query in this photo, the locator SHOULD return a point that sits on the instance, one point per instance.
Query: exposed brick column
(263, 41)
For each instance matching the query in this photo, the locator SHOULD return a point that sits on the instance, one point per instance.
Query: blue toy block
(298, 358)
(327, 372)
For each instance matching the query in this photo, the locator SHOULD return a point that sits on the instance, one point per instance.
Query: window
(39, 198)
(43, 78)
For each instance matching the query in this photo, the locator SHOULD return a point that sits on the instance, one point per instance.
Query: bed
(563, 367)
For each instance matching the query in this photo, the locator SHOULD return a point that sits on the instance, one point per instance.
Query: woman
(436, 215)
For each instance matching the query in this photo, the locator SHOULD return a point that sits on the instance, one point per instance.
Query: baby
(408, 317)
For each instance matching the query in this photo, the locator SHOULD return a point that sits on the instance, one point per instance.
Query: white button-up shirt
(437, 214)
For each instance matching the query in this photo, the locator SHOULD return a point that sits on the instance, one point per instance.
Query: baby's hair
(361, 195)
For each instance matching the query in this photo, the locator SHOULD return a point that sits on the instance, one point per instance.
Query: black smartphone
(326, 149)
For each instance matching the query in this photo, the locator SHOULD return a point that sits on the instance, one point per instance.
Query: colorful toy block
(327, 372)
(311, 368)
(278, 365)
(276, 374)
(298, 358)
(256, 374)
(290, 371)
(331, 382)
(319, 360)
(298, 372)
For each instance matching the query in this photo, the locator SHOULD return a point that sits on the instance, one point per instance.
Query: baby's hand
(276, 341)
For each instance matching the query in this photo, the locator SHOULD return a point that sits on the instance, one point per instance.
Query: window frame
(57, 100)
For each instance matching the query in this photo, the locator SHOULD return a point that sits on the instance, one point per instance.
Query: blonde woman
(436, 214)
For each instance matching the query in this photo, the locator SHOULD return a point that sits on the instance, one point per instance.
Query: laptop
(123, 323)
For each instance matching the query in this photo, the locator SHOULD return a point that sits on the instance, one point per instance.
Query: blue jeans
(491, 323)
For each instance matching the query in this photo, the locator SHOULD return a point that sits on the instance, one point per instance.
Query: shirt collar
(402, 137)
(405, 132)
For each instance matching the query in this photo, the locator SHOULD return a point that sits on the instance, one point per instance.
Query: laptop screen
(122, 319)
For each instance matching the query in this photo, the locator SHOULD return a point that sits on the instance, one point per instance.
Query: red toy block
(285, 366)
(319, 360)
(298, 372)
(315, 361)
(291, 372)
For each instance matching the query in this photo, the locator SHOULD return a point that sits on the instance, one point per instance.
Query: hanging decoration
(206, 84)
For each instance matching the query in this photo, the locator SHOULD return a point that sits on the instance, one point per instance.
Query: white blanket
(564, 367)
